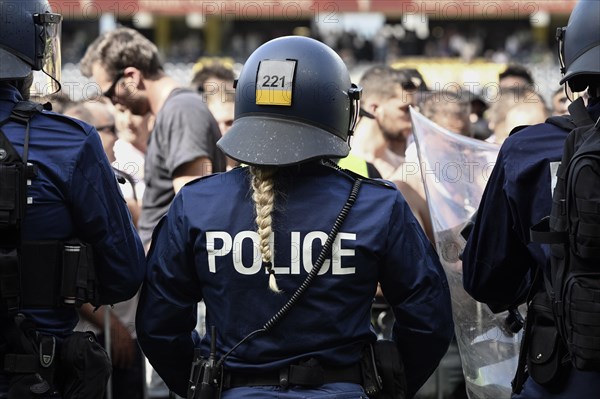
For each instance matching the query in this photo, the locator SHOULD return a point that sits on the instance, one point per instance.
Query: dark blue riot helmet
(294, 103)
(579, 46)
(30, 41)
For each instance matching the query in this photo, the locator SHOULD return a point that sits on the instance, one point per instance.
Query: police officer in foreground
(288, 302)
(66, 236)
(499, 261)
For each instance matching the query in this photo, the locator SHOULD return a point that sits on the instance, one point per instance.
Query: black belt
(309, 376)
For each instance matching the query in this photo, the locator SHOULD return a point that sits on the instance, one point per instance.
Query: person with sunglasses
(66, 236)
(182, 146)
(502, 266)
(384, 128)
(100, 114)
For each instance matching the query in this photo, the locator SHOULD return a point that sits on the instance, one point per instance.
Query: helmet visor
(46, 76)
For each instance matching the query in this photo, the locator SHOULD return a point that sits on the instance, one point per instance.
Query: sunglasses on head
(110, 129)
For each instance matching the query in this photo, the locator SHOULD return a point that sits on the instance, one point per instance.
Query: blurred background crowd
(467, 41)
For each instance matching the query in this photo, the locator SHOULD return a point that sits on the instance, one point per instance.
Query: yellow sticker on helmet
(274, 82)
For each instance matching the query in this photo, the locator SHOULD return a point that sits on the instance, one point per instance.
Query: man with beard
(182, 145)
(383, 130)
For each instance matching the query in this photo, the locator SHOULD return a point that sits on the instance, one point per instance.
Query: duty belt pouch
(30, 361)
(383, 371)
(206, 378)
(86, 367)
(78, 282)
(546, 351)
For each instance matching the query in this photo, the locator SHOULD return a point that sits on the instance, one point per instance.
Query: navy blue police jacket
(206, 248)
(75, 195)
(499, 260)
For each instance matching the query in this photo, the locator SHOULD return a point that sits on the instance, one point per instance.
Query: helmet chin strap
(567, 91)
(354, 93)
(560, 39)
(361, 113)
(366, 114)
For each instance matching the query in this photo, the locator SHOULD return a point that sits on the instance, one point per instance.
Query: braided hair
(264, 198)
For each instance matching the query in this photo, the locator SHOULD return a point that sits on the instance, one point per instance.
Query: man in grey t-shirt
(184, 132)
(182, 145)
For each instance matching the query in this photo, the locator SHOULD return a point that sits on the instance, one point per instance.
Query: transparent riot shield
(455, 170)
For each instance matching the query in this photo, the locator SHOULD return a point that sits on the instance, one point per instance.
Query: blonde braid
(264, 197)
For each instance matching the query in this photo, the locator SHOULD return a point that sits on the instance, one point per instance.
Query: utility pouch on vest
(383, 371)
(56, 274)
(546, 352)
(78, 284)
(35, 274)
(40, 273)
(11, 195)
(13, 176)
(9, 278)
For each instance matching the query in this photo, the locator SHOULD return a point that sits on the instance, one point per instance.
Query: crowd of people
(191, 194)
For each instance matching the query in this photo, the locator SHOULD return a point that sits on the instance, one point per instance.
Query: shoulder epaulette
(564, 122)
(23, 111)
(378, 182)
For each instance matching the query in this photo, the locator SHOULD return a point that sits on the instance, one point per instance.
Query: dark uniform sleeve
(166, 314)
(415, 285)
(102, 219)
(496, 261)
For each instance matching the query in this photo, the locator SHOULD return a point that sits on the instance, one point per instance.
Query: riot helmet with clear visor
(579, 46)
(30, 43)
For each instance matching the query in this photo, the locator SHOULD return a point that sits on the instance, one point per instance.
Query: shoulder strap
(22, 113)
(13, 201)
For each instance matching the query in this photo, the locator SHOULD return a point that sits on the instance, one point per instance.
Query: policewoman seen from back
(246, 240)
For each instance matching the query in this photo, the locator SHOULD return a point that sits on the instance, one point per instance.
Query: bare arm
(418, 205)
(134, 209)
(191, 170)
